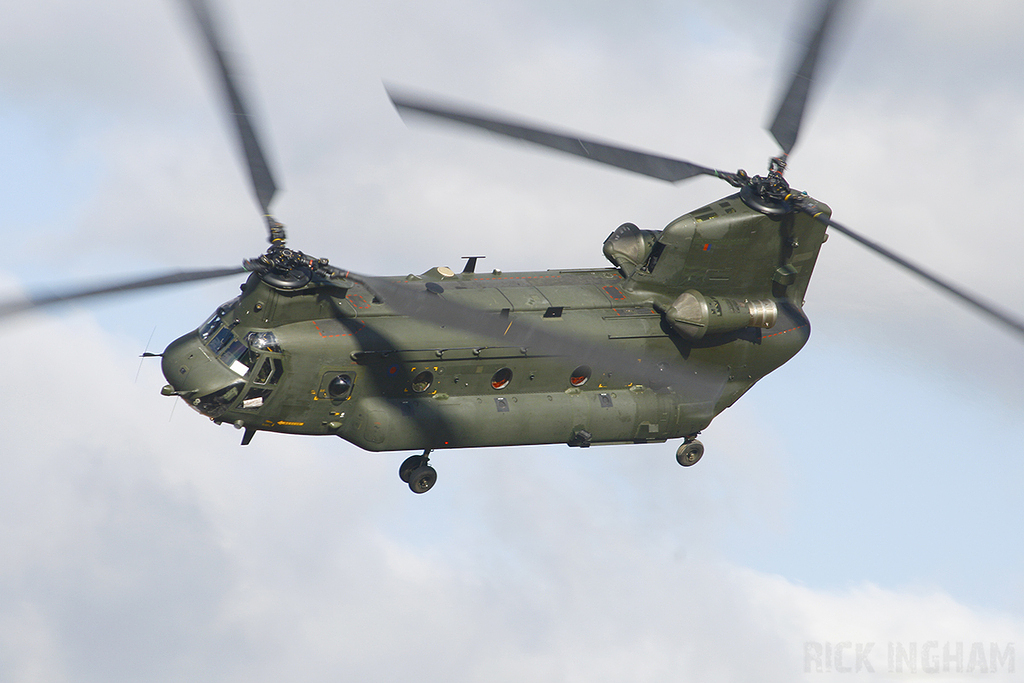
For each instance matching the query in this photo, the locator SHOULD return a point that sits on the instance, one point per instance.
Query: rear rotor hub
(767, 195)
(771, 194)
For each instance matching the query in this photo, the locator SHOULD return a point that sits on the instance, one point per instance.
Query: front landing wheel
(689, 453)
(411, 464)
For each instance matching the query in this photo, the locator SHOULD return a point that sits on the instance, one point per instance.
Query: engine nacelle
(694, 315)
(627, 248)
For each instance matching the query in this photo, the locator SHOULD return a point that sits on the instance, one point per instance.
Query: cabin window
(501, 379)
(422, 381)
(340, 386)
(579, 376)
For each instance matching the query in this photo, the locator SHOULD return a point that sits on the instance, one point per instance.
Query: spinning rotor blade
(786, 126)
(645, 163)
(14, 307)
(1011, 322)
(704, 385)
(262, 180)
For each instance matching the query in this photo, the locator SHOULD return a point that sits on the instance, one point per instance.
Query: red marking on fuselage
(776, 334)
(614, 293)
(362, 304)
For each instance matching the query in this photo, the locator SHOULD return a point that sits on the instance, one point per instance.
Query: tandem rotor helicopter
(684, 322)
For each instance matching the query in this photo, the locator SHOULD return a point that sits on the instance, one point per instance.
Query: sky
(857, 508)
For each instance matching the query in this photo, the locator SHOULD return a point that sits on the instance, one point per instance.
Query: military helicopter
(685, 321)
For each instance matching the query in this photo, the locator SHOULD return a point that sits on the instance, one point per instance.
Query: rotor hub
(771, 194)
(285, 268)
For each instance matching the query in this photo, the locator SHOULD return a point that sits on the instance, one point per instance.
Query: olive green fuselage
(401, 383)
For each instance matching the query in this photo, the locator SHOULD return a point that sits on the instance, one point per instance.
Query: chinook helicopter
(685, 321)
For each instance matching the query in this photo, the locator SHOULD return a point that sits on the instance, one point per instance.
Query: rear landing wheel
(689, 453)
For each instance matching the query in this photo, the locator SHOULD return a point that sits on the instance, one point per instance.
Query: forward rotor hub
(289, 269)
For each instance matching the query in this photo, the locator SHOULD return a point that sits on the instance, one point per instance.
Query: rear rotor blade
(259, 170)
(702, 384)
(14, 307)
(957, 291)
(786, 126)
(644, 163)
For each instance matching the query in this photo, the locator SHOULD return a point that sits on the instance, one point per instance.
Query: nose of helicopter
(198, 377)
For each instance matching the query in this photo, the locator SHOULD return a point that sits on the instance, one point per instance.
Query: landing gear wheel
(689, 453)
(422, 480)
(411, 464)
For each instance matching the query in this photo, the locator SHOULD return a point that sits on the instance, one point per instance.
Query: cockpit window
(269, 372)
(215, 320)
(233, 353)
(209, 327)
(221, 340)
(229, 349)
(216, 404)
(260, 341)
(228, 306)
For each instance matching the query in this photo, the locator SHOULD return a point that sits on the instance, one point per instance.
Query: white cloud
(140, 549)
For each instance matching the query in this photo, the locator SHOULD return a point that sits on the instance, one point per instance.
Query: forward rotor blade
(645, 163)
(14, 307)
(262, 179)
(968, 298)
(786, 126)
(704, 385)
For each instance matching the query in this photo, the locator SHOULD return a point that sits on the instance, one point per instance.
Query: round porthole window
(422, 381)
(339, 386)
(502, 378)
(579, 376)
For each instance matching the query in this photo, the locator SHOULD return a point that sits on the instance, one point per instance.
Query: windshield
(215, 320)
(233, 353)
(223, 343)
